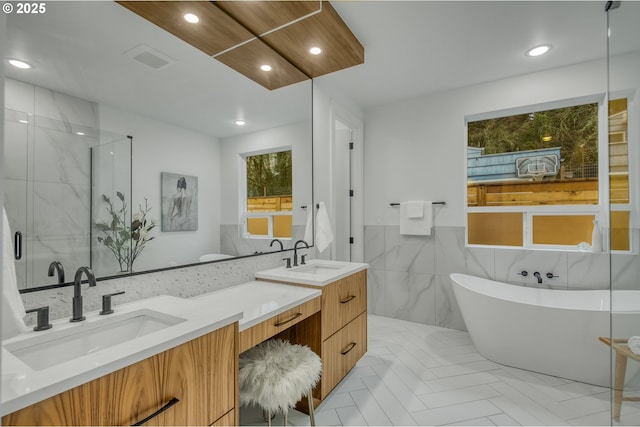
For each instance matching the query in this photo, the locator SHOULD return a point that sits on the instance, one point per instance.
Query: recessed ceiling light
(80, 133)
(23, 121)
(315, 50)
(191, 18)
(20, 64)
(538, 50)
(265, 67)
(240, 122)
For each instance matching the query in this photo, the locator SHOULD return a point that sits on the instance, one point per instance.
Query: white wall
(162, 147)
(325, 104)
(415, 148)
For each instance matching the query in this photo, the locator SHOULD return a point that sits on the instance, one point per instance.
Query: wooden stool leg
(311, 414)
(286, 412)
(621, 370)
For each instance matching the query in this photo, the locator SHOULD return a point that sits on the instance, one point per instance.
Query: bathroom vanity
(339, 333)
(174, 361)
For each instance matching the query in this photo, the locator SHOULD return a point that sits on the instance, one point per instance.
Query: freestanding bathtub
(550, 331)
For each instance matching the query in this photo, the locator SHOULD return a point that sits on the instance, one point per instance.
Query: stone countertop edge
(23, 386)
(248, 303)
(258, 300)
(312, 279)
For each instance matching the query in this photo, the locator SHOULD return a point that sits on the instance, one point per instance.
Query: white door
(347, 187)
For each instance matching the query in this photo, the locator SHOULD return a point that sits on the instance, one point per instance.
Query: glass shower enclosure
(623, 72)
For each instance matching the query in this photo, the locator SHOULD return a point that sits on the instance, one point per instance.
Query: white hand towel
(416, 226)
(308, 229)
(634, 344)
(13, 311)
(415, 209)
(324, 233)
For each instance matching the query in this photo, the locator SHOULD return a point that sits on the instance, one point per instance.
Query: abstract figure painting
(179, 202)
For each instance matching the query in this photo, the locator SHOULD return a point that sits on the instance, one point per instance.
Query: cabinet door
(342, 351)
(223, 372)
(73, 407)
(201, 374)
(343, 301)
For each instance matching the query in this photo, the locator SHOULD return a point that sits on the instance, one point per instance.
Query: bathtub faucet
(538, 276)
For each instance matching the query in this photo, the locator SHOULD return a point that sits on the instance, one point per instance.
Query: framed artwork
(179, 202)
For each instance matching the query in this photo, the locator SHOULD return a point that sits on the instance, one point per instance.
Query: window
(619, 174)
(269, 184)
(533, 179)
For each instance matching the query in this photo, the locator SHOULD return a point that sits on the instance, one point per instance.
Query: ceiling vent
(150, 57)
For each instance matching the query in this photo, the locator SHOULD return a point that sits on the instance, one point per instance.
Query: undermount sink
(317, 268)
(55, 347)
(316, 272)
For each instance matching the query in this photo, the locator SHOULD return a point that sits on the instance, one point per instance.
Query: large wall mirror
(120, 132)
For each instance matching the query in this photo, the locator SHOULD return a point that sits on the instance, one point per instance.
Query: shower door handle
(17, 245)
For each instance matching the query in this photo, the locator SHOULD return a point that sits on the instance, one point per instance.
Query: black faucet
(56, 267)
(295, 251)
(77, 292)
(538, 276)
(277, 241)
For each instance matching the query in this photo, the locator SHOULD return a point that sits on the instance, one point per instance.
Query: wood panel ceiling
(247, 34)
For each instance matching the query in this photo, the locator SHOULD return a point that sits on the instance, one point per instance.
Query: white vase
(596, 237)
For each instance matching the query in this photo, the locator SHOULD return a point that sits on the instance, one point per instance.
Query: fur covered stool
(275, 374)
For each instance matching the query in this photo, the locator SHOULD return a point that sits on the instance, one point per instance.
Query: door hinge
(351, 240)
(350, 193)
(351, 146)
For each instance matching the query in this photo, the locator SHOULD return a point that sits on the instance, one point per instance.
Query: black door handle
(17, 245)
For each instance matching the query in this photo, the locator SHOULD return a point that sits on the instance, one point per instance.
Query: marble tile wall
(409, 275)
(232, 244)
(183, 282)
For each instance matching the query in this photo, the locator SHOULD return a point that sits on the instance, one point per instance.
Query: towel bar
(433, 203)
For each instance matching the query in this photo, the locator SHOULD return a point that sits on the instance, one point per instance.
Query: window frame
(600, 211)
(243, 197)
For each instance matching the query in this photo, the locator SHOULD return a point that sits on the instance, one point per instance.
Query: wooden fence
(531, 193)
(270, 204)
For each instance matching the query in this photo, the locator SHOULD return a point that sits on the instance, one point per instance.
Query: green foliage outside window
(269, 174)
(574, 129)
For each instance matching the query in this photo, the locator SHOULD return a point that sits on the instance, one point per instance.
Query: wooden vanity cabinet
(344, 328)
(201, 374)
(339, 334)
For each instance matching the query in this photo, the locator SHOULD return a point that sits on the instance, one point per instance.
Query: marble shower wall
(52, 163)
(409, 275)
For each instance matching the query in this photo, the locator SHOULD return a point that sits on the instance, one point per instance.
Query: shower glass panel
(48, 172)
(16, 178)
(54, 172)
(624, 173)
(111, 210)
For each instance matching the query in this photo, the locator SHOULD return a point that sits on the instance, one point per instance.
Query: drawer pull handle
(159, 411)
(348, 349)
(349, 298)
(277, 325)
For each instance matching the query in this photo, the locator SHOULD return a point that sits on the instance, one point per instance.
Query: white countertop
(335, 270)
(249, 304)
(258, 300)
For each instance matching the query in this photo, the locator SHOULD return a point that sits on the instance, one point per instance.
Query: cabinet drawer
(342, 351)
(343, 301)
(267, 329)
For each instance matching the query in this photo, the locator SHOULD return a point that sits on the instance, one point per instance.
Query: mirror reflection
(122, 133)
